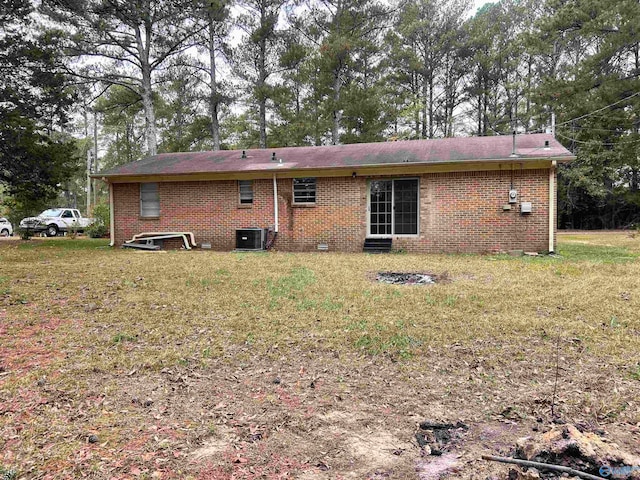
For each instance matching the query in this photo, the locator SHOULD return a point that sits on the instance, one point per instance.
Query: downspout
(552, 205)
(275, 204)
(112, 233)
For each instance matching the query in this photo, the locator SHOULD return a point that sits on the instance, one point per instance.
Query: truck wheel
(4, 233)
(52, 231)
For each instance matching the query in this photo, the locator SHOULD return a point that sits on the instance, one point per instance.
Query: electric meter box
(526, 207)
(513, 196)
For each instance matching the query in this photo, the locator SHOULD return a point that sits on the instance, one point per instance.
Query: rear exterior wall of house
(458, 212)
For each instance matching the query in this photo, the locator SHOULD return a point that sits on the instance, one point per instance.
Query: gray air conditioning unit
(250, 239)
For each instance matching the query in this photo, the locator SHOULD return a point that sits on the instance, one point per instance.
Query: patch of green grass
(329, 305)
(450, 300)
(122, 337)
(429, 300)
(64, 244)
(398, 345)
(4, 289)
(307, 304)
(375, 338)
(596, 253)
(8, 473)
(292, 285)
(578, 252)
(360, 325)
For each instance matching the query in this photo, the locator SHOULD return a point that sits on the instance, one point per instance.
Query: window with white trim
(149, 200)
(245, 188)
(304, 190)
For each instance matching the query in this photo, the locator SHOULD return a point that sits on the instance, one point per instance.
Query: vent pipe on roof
(513, 149)
(244, 154)
(546, 145)
(273, 157)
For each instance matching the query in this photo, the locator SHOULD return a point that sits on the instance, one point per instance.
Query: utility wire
(631, 142)
(599, 110)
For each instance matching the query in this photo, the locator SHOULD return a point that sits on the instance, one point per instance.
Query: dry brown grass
(243, 365)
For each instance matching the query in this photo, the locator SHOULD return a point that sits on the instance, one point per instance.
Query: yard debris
(586, 452)
(398, 278)
(532, 469)
(434, 438)
(93, 438)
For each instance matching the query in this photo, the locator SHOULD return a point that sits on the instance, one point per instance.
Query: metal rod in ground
(541, 466)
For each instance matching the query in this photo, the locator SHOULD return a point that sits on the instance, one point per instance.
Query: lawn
(124, 364)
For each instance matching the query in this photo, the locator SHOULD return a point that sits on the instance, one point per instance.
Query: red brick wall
(459, 212)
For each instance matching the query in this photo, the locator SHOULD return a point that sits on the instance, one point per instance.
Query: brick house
(476, 194)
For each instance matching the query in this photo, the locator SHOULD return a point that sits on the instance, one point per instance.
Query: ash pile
(399, 278)
(435, 438)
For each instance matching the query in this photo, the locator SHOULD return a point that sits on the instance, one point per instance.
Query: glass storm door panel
(380, 220)
(405, 207)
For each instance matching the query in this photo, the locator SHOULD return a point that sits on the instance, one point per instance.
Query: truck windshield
(52, 212)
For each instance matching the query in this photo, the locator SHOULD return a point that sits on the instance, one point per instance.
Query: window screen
(149, 200)
(304, 190)
(246, 191)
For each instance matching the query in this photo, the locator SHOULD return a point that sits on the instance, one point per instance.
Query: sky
(478, 4)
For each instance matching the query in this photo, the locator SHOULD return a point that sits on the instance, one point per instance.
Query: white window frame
(393, 193)
(315, 190)
(149, 200)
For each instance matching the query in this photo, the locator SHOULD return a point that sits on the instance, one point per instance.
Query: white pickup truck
(57, 220)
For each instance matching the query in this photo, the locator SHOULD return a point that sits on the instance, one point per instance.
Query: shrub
(24, 233)
(99, 228)
(96, 230)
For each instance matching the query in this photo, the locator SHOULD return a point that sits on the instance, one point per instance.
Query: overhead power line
(608, 144)
(598, 110)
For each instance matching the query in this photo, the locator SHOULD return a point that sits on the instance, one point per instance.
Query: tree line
(187, 75)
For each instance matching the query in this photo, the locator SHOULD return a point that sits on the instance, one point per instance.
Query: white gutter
(112, 223)
(275, 203)
(552, 205)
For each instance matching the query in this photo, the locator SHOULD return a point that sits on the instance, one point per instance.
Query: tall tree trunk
(337, 114)
(149, 113)
(415, 90)
(214, 98)
(262, 80)
(431, 105)
(147, 92)
(485, 105)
